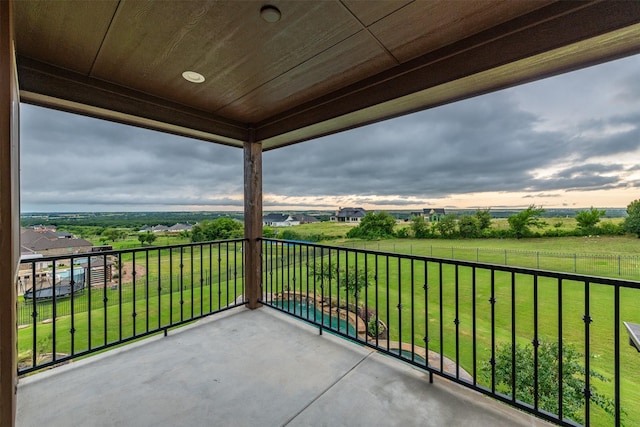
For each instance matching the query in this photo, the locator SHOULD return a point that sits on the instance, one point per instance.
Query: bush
(608, 228)
(469, 226)
(218, 229)
(374, 226)
(548, 378)
(632, 222)
(520, 224)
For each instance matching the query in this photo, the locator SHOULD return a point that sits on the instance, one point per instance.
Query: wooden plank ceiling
(325, 66)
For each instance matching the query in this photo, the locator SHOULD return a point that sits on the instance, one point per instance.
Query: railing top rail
(496, 267)
(121, 251)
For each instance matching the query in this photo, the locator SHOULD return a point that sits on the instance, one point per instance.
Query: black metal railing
(74, 305)
(546, 342)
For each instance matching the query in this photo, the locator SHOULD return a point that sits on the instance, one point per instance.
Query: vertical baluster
(441, 320)
(513, 337)
(587, 354)
(536, 343)
(560, 355)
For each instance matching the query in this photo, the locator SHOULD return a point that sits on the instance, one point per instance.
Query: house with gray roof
(279, 220)
(47, 243)
(434, 214)
(349, 215)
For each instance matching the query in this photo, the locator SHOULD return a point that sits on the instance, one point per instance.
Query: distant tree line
(524, 224)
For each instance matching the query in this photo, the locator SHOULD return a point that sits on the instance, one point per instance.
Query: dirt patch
(127, 272)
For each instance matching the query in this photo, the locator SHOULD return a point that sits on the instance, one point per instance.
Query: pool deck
(250, 368)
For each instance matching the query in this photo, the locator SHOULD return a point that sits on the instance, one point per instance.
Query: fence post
(619, 267)
(505, 257)
(477, 254)
(575, 263)
(538, 259)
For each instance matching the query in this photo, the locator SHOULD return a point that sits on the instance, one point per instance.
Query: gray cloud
(494, 143)
(75, 160)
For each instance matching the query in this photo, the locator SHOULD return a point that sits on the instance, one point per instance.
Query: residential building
(279, 220)
(48, 243)
(349, 215)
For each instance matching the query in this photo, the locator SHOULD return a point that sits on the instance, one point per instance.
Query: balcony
(246, 367)
(379, 338)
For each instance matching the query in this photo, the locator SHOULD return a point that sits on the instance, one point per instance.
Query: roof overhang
(539, 41)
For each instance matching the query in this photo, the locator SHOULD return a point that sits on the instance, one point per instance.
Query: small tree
(447, 226)
(351, 279)
(469, 226)
(484, 219)
(587, 220)
(419, 227)
(218, 229)
(150, 237)
(374, 226)
(147, 238)
(632, 221)
(549, 377)
(521, 223)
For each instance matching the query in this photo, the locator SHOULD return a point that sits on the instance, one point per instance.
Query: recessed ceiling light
(270, 13)
(193, 77)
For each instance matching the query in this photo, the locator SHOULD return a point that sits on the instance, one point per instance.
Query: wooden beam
(52, 87)
(9, 214)
(401, 89)
(252, 221)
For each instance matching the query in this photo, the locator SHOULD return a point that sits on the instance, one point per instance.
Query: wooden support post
(9, 214)
(252, 221)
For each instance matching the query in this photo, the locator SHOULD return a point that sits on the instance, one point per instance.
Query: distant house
(279, 220)
(305, 219)
(159, 228)
(177, 228)
(47, 243)
(434, 214)
(349, 215)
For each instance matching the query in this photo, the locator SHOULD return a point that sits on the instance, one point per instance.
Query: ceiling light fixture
(193, 77)
(270, 14)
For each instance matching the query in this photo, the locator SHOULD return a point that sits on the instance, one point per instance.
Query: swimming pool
(310, 312)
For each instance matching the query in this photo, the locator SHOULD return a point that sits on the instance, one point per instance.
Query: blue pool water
(309, 312)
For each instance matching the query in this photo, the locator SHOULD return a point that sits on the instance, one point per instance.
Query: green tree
(520, 224)
(374, 226)
(218, 229)
(113, 234)
(484, 219)
(150, 237)
(419, 227)
(147, 237)
(469, 226)
(549, 377)
(447, 226)
(587, 220)
(351, 279)
(632, 221)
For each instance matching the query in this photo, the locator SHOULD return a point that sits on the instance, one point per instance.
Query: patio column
(252, 220)
(9, 214)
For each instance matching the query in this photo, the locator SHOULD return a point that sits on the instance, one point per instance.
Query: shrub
(548, 378)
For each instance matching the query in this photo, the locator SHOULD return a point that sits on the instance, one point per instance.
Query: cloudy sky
(570, 141)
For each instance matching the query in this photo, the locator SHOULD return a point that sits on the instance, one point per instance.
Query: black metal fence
(623, 266)
(548, 343)
(139, 292)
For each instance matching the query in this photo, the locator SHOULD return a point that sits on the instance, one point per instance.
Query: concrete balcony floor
(250, 368)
